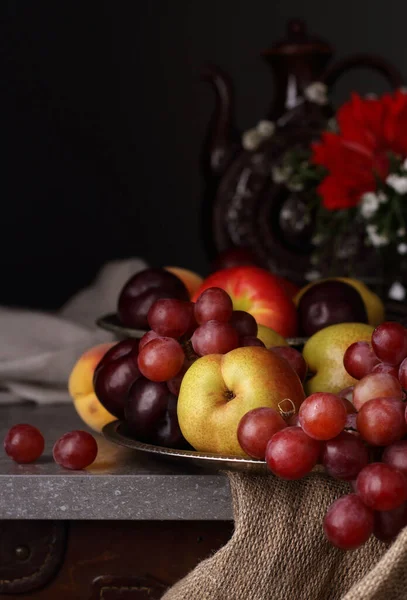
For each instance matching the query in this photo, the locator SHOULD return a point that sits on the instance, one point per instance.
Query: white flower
(286, 213)
(403, 90)
(371, 96)
(265, 128)
(369, 205)
(295, 186)
(251, 139)
(401, 232)
(318, 239)
(281, 174)
(398, 183)
(382, 197)
(404, 165)
(332, 125)
(402, 248)
(317, 92)
(397, 291)
(377, 240)
(312, 275)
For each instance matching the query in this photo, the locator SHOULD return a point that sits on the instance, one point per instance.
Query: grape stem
(286, 414)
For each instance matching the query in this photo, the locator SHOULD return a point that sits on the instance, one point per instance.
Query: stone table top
(120, 484)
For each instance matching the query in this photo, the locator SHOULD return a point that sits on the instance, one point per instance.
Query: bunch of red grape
(363, 443)
(74, 450)
(182, 331)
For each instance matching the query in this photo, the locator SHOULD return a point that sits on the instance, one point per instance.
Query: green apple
(218, 389)
(324, 352)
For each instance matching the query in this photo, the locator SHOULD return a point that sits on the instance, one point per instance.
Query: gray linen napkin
(38, 350)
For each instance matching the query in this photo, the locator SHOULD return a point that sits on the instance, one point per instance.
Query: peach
(191, 280)
(80, 387)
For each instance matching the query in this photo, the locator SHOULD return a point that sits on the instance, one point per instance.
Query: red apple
(259, 293)
(219, 389)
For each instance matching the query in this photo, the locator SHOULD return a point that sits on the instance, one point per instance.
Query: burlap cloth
(278, 550)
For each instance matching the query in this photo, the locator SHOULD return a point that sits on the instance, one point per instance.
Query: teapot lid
(298, 41)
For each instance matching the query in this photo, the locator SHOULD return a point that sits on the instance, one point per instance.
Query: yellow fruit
(324, 353)
(191, 280)
(80, 387)
(219, 389)
(269, 337)
(373, 304)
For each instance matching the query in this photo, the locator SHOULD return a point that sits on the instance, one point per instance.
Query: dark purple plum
(115, 374)
(151, 414)
(142, 290)
(327, 303)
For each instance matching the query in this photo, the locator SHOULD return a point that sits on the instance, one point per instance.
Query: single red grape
(256, 428)
(214, 337)
(192, 321)
(24, 443)
(323, 415)
(376, 385)
(395, 455)
(381, 487)
(389, 523)
(348, 523)
(170, 317)
(75, 450)
(294, 358)
(345, 456)
(244, 323)
(381, 421)
(161, 359)
(249, 340)
(293, 421)
(402, 374)
(385, 368)
(147, 337)
(214, 304)
(291, 453)
(359, 359)
(389, 341)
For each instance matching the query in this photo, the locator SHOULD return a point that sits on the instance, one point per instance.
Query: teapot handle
(370, 61)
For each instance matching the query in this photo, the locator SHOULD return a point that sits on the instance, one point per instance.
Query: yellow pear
(373, 304)
(219, 389)
(324, 353)
(269, 337)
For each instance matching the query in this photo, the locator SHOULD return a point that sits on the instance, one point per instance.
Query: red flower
(370, 129)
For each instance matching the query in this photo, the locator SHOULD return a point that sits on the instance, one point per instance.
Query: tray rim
(111, 433)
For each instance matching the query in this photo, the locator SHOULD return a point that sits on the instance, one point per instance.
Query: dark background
(102, 118)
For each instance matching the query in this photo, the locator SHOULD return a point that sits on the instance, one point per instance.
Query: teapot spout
(222, 138)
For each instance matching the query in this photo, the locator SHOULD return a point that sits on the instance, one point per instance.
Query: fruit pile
(270, 299)
(214, 372)
(139, 381)
(362, 442)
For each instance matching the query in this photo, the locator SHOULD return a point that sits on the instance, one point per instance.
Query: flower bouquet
(354, 178)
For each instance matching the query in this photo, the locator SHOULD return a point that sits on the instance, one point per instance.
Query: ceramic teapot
(243, 206)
